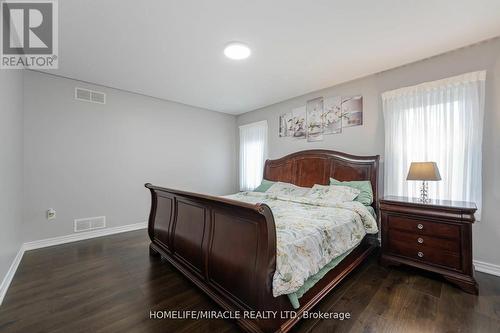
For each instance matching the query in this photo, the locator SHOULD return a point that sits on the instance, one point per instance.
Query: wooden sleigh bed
(228, 248)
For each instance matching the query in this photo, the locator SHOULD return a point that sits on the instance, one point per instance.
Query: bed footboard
(226, 247)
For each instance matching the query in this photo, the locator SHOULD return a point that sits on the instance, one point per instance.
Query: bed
(228, 248)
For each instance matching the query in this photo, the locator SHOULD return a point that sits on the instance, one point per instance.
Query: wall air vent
(91, 96)
(90, 223)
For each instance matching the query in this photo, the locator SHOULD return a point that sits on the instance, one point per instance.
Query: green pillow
(264, 186)
(365, 186)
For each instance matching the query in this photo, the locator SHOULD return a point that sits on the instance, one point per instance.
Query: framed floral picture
(332, 115)
(286, 124)
(352, 111)
(299, 122)
(321, 116)
(314, 123)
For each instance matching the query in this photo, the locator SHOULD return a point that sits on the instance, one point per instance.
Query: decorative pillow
(333, 193)
(287, 189)
(264, 185)
(364, 186)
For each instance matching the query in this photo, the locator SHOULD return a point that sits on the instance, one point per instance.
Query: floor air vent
(91, 96)
(90, 223)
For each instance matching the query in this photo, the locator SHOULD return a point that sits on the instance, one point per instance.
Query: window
(253, 153)
(440, 121)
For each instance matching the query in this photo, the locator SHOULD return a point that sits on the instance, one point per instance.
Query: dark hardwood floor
(110, 284)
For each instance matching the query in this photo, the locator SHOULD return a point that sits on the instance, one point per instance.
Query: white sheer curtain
(440, 121)
(253, 154)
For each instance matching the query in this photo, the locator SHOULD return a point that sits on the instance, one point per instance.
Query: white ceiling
(174, 49)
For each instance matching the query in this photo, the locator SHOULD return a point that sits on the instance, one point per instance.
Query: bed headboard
(309, 167)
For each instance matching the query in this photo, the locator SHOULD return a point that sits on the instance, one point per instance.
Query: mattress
(310, 235)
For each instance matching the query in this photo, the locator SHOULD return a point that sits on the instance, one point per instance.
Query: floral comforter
(310, 233)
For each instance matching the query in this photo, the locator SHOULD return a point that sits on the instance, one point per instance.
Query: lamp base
(424, 193)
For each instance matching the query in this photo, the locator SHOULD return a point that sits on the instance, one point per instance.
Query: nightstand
(435, 236)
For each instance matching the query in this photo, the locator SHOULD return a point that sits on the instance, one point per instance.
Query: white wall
(369, 138)
(11, 166)
(85, 159)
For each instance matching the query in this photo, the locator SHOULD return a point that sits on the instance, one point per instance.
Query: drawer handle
(420, 226)
(420, 254)
(420, 240)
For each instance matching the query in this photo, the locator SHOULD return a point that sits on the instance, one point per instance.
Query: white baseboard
(10, 274)
(57, 241)
(82, 236)
(488, 268)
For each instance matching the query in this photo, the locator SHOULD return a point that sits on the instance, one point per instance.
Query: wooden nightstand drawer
(421, 241)
(421, 227)
(425, 253)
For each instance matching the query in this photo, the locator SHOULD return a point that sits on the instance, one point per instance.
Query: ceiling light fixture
(237, 51)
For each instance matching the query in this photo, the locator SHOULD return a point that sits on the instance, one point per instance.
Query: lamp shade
(423, 171)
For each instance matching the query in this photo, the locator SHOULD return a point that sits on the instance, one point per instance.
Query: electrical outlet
(51, 214)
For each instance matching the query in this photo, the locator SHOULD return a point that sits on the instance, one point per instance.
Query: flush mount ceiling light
(237, 51)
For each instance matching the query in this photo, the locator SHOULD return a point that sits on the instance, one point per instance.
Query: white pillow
(332, 193)
(287, 189)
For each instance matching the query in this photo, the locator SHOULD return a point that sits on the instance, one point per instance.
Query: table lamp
(424, 171)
